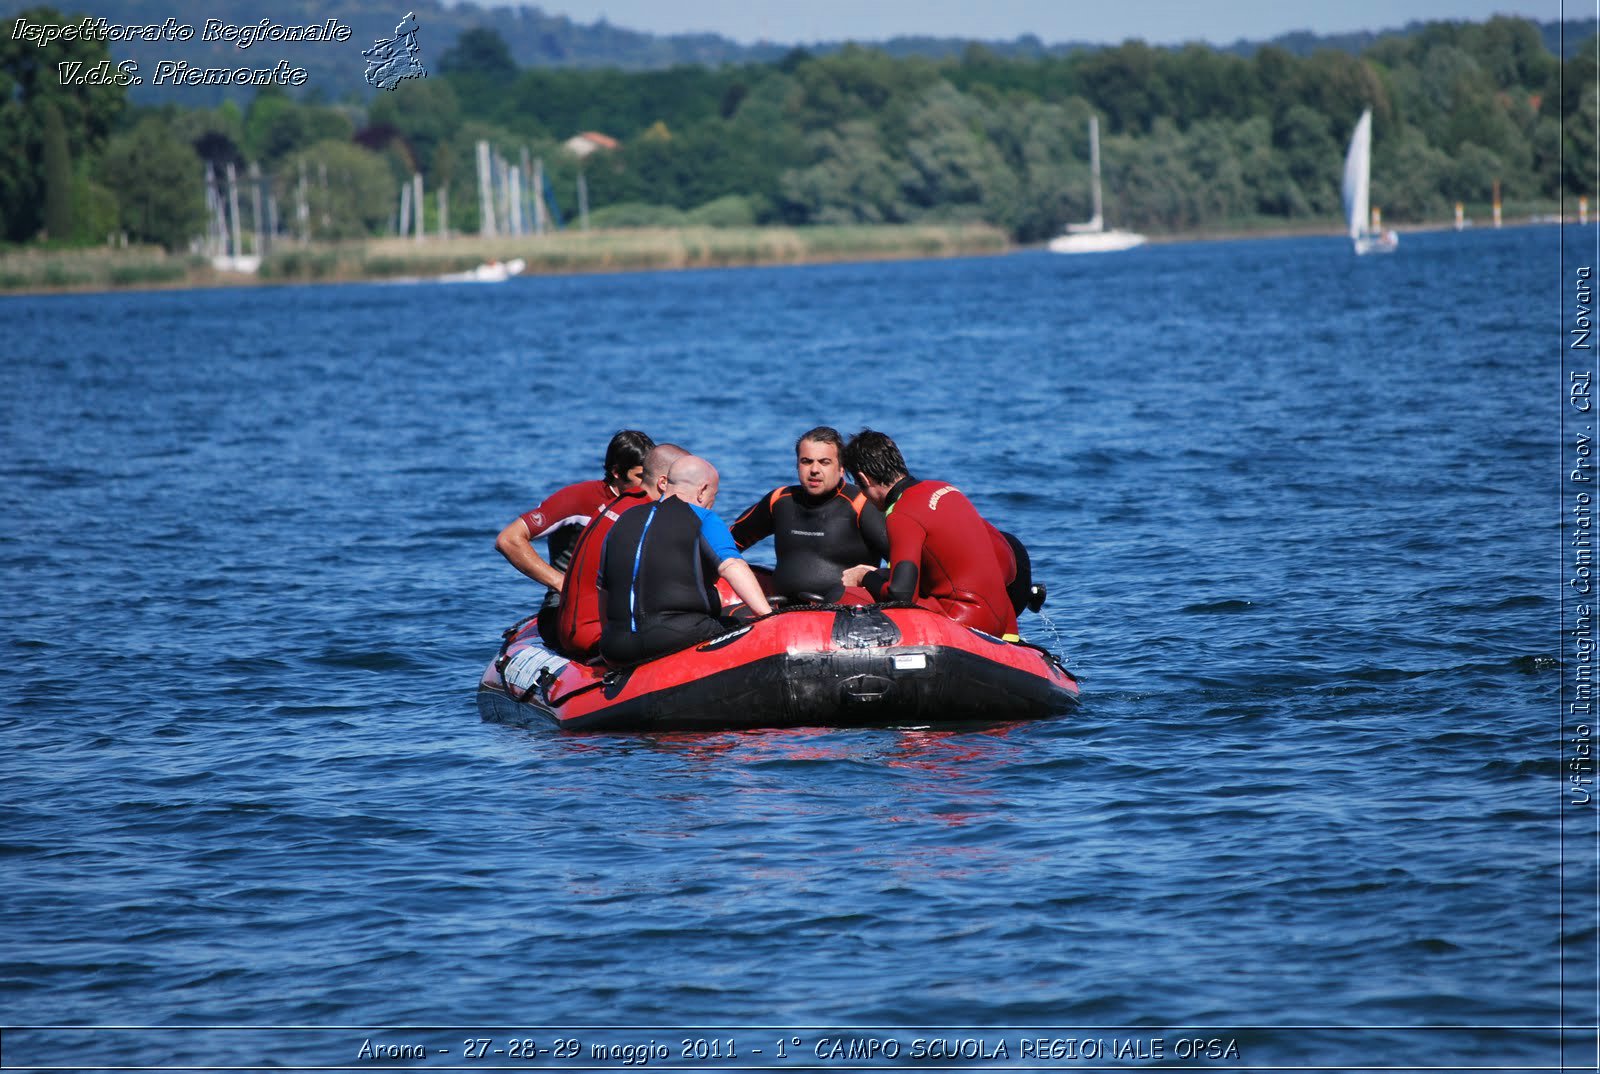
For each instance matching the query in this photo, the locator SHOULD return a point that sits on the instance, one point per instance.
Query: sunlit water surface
(1297, 517)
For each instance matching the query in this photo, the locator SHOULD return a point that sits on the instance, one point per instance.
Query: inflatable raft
(810, 666)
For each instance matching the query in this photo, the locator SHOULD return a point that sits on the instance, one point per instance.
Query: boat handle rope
(556, 702)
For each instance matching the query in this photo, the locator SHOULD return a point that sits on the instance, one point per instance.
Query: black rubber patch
(863, 628)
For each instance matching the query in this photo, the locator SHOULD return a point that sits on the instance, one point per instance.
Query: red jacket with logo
(945, 556)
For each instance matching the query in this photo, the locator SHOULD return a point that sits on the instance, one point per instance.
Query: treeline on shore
(1192, 139)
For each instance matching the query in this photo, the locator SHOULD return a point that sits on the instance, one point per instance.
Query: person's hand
(854, 575)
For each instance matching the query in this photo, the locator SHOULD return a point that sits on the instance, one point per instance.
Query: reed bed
(99, 268)
(653, 248)
(105, 268)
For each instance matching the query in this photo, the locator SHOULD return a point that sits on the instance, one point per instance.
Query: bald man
(578, 622)
(659, 571)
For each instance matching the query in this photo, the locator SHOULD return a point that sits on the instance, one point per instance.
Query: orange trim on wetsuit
(815, 538)
(945, 556)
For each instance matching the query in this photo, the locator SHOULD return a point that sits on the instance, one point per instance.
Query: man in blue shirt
(659, 571)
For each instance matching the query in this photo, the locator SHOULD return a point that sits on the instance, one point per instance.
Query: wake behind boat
(809, 666)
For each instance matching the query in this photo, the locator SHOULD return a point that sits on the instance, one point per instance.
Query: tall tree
(157, 177)
(57, 173)
(30, 74)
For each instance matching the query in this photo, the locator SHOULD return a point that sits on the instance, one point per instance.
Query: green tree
(276, 126)
(1128, 84)
(955, 170)
(480, 51)
(480, 68)
(158, 181)
(349, 192)
(1415, 179)
(1220, 192)
(57, 173)
(1150, 184)
(1046, 147)
(852, 180)
(1206, 84)
(1311, 156)
(94, 212)
(425, 113)
(1579, 134)
(29, 77)
(858, 84)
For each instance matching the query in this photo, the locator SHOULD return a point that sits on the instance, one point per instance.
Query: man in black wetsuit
(820, 527)
(659, 568)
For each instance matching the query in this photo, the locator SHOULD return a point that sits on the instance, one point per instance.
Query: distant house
(581, 145)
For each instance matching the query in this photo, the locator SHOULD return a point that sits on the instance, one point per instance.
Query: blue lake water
(1298, 513)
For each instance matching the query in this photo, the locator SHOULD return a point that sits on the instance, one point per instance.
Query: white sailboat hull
(1095, 242)
(1384, 243)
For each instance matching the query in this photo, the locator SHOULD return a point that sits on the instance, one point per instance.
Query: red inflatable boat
(810, 666)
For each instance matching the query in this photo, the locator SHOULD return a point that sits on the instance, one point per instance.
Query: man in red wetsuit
(578, 621)
(942, 553)
(562, 517)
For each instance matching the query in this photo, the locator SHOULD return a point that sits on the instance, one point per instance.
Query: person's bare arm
(745, 586)
(516, 544)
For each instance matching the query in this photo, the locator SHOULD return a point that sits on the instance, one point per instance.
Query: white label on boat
(523, 670)
(910, 661)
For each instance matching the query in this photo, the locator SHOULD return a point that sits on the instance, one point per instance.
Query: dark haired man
(820, 527)
(942, 553)
(562, 516)
(659, 570)
(579, 618)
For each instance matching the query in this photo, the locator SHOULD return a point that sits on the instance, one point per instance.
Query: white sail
(1357, 176)
(1365, 236)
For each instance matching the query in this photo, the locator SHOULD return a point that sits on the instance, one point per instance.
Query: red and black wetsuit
(815, 538)
(578, 618)
(945, 556)
(562, 517)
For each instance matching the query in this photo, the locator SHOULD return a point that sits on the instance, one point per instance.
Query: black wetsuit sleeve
(875, 532)
(903, 578)
(754, 525)
(896, 584)
(874, 581)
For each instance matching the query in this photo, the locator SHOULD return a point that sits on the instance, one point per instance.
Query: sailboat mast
(1094, 167)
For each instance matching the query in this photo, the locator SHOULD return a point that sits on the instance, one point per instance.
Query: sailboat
(1092, 237)
(1366, 233)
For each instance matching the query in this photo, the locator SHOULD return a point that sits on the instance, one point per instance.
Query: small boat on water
(488, 272)
(1092, 237)
(807, 666)
(1367, 235)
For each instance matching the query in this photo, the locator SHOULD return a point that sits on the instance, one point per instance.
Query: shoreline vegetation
(42, 270)
(38, 269)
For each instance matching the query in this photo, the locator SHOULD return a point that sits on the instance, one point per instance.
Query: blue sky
(1101, 21)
